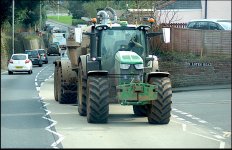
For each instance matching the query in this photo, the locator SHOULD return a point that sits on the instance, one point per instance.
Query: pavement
(189, 88)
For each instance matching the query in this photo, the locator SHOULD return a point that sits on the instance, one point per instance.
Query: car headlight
(139, 66)
(124, 66)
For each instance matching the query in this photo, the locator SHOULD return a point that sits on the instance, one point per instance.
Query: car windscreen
(41, 51)
(19, 57)
(32, 53)
(225, 25)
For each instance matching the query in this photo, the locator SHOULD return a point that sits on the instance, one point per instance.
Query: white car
(210, 24)
(19, 63)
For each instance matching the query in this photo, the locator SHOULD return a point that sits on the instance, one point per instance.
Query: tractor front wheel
(97, 99)
(159, 112)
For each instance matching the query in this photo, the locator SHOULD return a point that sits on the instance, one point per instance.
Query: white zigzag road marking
(48, 129)
(60, 137)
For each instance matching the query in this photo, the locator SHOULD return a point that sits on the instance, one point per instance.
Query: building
(180, 11)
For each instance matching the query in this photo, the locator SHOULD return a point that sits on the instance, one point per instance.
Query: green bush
(31, 37)
(75, 22)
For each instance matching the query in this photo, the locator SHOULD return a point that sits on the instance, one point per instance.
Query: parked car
(35, 57)
(19, 63)
(43, 55)
(210, 24)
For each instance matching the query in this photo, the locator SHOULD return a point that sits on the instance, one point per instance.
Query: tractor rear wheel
(82, 83)
(97, 99)
(65, 98)
(58, 84)
(55, 83)
(159, 112)
(140, 110)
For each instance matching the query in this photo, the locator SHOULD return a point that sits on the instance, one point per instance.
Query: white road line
(174, 116)
(180, 119)
(38, 89)
(184, 127)
(202, 121)
(191, 116)
(222, 144)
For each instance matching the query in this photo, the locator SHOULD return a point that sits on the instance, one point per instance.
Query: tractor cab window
(128, 40)
(113, 41)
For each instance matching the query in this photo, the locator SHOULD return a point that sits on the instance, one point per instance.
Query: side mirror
(166, 35)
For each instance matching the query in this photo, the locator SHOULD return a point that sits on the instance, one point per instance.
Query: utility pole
(58, 3)
(40, 19)
(206, 7)
(13, 5)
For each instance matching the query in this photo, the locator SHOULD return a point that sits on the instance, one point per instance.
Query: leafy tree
(5, 8)
(76, 8)
(27, 12)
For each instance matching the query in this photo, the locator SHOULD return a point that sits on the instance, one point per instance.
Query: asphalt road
(31, 118)
(22, 113)
(124, 130)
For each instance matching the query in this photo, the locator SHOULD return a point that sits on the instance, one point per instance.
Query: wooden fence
(176, 25)
(200, 42)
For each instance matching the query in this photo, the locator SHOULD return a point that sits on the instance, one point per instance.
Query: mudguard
(98, 73)
(88, 65)
(82, 60)
(157, 74)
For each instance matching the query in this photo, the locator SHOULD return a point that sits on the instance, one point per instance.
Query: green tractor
(119, 68)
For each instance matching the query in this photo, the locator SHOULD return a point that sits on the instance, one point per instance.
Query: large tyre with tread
(58, 84)
(82, 83)
(159, 112)
(97, 99)
(10, 72)
(56, 77)
(68, 98)
(140, 110)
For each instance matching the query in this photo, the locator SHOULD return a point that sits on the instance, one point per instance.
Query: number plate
(19, 67)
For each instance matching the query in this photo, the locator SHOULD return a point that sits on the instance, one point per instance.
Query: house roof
(184, 4)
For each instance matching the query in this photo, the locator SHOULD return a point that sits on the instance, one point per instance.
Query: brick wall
(198, 72)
